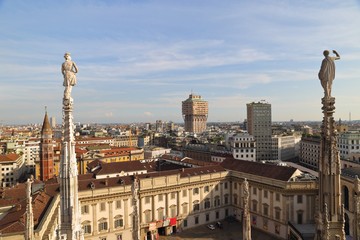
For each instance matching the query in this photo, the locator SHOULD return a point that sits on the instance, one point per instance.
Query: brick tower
(46, 151)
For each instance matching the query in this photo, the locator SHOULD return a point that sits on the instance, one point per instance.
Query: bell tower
(47, 151)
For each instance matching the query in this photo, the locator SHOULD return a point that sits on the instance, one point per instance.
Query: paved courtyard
(230, 231)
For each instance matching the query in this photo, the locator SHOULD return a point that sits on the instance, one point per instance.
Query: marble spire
(70, 210)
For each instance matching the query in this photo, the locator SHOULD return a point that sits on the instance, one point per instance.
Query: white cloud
(148, 114)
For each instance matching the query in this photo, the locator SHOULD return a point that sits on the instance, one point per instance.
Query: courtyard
(230, 231)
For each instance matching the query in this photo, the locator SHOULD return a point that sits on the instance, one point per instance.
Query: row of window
(266, 194)
(246, 150)
(207, 217)
(102, 207)
(102, 225)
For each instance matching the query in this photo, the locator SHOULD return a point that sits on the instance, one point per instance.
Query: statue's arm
(75, 68)
(337, 55)
(62, 70)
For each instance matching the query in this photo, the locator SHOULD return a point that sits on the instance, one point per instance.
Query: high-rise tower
(330, 210)
(259, 125)
(70, 215)
(195, 113)
(46, 151)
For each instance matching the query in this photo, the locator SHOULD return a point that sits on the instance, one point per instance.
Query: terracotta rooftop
(117, 167)
(186, 160)
(11, 157)
(260, 169)
(16, 216)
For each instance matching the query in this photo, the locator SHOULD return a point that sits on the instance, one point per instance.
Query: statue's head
(326, 53)
(67, 55)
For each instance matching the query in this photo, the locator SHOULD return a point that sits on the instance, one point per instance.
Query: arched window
(118, 221)
(86, 226)
(103, 224)
(216, 201)
(207, 203)
(173, 212)
(160, 213)
(235, 199)
(147, 214)
(196, 206)
(184, 208)
(254, 205)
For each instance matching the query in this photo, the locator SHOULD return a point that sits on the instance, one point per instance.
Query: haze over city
(139, 59)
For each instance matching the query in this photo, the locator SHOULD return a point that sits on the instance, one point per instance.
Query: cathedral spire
(70, 214)
(330, 211)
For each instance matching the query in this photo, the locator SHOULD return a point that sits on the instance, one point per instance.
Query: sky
(139, 59)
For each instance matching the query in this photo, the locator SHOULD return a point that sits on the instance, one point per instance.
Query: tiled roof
(260, 169)
(117, 167)
(15, 218)
(87, 181)
(11, 157)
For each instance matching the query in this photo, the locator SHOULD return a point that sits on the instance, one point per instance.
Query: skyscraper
(195, 113)
(259, 125)
(53, 122)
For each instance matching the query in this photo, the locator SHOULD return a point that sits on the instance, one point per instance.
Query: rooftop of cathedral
(351, 172)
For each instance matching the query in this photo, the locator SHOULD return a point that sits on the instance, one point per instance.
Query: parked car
(210, 226)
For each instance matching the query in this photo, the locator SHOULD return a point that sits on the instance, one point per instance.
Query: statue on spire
(327, 72)
(68, 69)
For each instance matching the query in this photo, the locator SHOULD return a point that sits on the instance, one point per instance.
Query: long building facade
(179, 199)
(195, 113)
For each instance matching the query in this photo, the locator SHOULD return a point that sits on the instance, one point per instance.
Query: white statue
(327, 72)
(68, 69)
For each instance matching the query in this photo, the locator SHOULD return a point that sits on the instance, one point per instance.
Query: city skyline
(138, 60)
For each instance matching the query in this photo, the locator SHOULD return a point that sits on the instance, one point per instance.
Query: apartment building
(242, 146)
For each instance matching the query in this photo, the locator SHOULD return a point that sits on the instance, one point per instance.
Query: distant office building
(195, 113)
(144, 140)
(259, 125)
(147, 126)
(310, 151)
(349, 145)
(243, 146)
(53, 122)
(283, 147)
(307, 130)
(159, 126)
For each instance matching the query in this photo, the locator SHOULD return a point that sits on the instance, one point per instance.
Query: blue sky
(139, 59)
